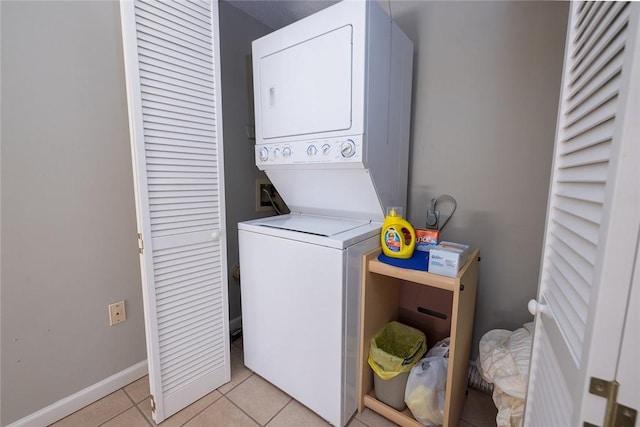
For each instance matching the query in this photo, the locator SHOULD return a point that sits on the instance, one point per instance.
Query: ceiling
(279, 13)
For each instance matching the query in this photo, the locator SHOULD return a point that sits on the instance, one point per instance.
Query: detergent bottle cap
(394, 211)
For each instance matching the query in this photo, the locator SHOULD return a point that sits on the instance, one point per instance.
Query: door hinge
(140, 243)
(153, 403)
(617, 415)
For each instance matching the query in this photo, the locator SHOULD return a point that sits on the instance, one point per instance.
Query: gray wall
(68, 219)
(237, 31)
(485, 95)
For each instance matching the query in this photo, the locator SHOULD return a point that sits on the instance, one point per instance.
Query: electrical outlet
(117, 313)
(433, 219)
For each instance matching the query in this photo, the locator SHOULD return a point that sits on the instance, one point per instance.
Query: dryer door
(306, 87)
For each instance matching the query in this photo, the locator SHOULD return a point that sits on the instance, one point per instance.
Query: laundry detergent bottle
(398, 238)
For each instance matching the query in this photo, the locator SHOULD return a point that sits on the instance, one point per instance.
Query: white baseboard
(235, 324)
(79, 400)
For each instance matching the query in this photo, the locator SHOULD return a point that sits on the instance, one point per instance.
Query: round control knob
(263, 154)
(286, 152)
(312, 150)
(276, 153)
(348, 148)
(326, 149)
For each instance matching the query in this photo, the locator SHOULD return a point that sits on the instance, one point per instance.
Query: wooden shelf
(403, 418)
(382, 285)
(422, 277)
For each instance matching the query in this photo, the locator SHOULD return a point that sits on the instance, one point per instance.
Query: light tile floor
(246, 401)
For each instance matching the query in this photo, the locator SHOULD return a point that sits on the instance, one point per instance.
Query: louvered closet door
(173, 80)
(593, 217)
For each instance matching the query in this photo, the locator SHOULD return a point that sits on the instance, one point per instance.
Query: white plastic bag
(504, 361)
(425, 392)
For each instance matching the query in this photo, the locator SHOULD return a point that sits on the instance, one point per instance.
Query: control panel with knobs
(329, 150)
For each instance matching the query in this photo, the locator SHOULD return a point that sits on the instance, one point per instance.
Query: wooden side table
(453, 299)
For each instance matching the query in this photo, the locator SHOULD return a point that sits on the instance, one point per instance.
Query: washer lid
(347, 193)
(317, 225)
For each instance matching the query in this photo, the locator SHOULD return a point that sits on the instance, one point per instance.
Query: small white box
(447, 258)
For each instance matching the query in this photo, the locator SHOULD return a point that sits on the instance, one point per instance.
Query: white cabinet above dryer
(306, 88)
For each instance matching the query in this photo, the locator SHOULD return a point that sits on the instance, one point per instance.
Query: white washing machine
(301, 306)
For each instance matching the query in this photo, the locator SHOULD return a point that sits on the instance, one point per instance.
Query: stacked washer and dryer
(332, 108)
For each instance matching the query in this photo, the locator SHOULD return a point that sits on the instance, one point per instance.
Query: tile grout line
(143, 415)
(250, 417)
(131, 397)
(235, 386)
(244, 412)
(135, 404)
(281, 409)
(150, 421)
(203, 409)
(121, 412)
(359, 420)
(355, 417)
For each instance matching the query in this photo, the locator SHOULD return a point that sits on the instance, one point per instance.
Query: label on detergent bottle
(392, 239)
